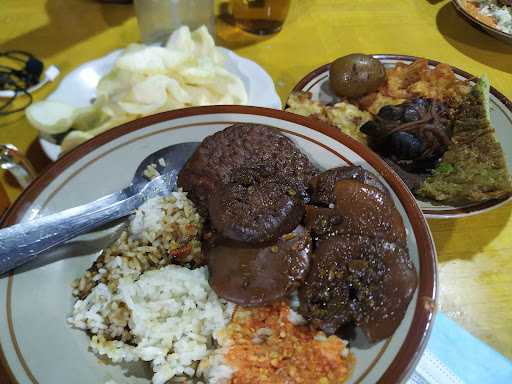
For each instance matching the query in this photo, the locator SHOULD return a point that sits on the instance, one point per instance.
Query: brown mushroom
(368, 211)
(322, 185)
(258, 276)
(255, 207)
(359, 279)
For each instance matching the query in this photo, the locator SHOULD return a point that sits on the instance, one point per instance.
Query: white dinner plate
(317, 82)
(37, 345)
(78, 88)
(480, 22)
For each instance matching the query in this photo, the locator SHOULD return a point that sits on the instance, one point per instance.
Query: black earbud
(33, 70)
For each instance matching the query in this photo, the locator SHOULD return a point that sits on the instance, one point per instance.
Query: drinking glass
(158, 18)
(4, 200)
(262, 17)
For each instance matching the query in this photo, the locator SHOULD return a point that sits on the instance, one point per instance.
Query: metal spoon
(12, 160)
(22, 242)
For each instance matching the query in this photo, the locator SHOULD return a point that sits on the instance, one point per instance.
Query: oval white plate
(78, 88)
(40, 347)
(317, 82)
(461, 9)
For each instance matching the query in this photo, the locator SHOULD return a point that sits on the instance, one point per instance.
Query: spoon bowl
(23, 242)
(165, 160)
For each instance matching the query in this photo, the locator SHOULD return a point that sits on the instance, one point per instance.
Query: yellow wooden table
(474, 253)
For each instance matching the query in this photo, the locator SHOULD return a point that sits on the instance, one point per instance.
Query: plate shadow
(444, 230)
(472, 42)
(79, 20)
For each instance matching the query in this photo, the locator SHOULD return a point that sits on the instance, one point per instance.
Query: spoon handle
(22, 242)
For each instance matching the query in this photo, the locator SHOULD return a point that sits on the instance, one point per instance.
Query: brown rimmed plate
(38, 346)
(317, 82)
(480, 23)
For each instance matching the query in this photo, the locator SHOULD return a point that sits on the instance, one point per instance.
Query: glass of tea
(158, 18)
(4, 200)
(262, 17)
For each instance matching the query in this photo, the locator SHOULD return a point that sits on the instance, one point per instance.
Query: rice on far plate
(497, 13)
(147, 298)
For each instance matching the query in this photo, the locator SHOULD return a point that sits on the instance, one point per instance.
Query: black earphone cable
(18, 80)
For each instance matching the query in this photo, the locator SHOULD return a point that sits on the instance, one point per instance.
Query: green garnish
(445, 168)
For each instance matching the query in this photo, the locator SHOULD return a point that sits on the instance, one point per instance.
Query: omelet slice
(474, 168)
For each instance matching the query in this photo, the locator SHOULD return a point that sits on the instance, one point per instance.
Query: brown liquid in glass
(261, 17)
(4, 200)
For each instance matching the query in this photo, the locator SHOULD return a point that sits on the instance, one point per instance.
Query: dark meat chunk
(414, 181)
(414, 134)
(380, 319)
(359, 279)
(255, 207)
(368, 211)
(359, 209)
(243, 145)
(361, 272)
(258, 276)
(322, 185)
(322, 222)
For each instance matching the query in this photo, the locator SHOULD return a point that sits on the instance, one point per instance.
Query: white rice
(296, 318)
(214, 369)
(162, 231)
(147, 218)
(164, 314)
(151, 171)
(502, 15)
(138, 305)
(173, 316)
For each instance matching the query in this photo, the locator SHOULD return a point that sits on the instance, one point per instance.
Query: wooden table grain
(475, 253)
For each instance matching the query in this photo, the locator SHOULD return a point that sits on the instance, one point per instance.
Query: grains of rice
(151, 172)
(173, 314)
(501, 14)
(137, 306)
(214, 368)
(295, 318)
(162, 231)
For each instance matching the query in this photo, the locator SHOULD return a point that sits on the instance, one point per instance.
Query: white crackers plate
(78, 88)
